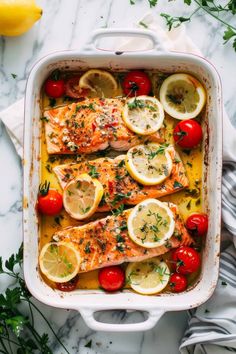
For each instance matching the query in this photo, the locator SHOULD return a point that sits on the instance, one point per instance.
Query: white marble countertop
(66, 25)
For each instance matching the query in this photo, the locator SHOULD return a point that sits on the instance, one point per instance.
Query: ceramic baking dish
(89, 302)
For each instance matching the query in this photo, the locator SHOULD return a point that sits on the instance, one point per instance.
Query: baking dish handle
(121, 32)
(91, 322)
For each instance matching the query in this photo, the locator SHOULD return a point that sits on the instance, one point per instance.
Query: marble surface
(67, 24)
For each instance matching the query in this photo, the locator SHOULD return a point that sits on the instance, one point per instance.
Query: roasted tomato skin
(188, 134)
(197, 224)
(54, 88)
(51, 203)
(178, 282)
(136, 83)
(68, 286)
(72, 88)
(111, 278)
(186, 260)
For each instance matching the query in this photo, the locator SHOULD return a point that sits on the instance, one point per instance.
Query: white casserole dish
(88, 302)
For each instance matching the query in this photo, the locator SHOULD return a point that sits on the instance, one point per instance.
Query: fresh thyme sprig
(17, 331)
(215, 10)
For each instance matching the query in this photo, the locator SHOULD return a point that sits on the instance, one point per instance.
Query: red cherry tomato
(197, 223)
(186, 259)
(54, 88)
(111, 278)
(178, 282)
(136, 83)
(188, 134)
(68, 286)
(72, 88)
(50, 201)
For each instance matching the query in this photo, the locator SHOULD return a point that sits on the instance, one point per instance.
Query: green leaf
(152, 3)
(188, 2)
(1, 270)
(234, 44)
(228, 34)
(89, 344)
(14, 76)
(17, 324)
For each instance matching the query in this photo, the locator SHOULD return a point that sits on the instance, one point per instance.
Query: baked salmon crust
(106, 242)
(89, 126)
(119, 186)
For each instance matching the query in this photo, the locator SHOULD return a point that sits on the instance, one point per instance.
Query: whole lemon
(18, 16)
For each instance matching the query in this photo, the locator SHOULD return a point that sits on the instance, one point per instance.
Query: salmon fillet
(119, 186)
(106, 242)
(90, 126)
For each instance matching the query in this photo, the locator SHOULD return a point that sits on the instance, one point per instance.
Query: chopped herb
(93, 172)
(188, 206)
(14, 76)
(52, 102)
(84, 106)
(120, 238)
(89, 344)
(48, 168)
(224, 283)
(118, 177)
(198, 202)
(207, 311)
(143, 24)
(120, 248)
(87, 248)
(58, 219)
(123, 226)
(194, 193)
(119, 210)
(189, 164)
(160, 150)
(44, 119)
(119, 196)
(177, 160)
(177, 184)
(176, 99)
(84, 210)
(140, 104)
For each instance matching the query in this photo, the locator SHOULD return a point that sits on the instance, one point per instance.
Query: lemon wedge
(59, 261)
(82, 196)
(100, 83)
(148, 277)
(149, 164)
(143, 115)
(182, 96)
(151, 223)
(18, 16)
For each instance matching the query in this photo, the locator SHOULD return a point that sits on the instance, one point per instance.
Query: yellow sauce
(193, 161)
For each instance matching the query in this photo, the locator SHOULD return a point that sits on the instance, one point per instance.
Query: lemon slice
(59, 261)
(149, 164)
(143, 115)
(151, 223)
(100, 82)
(182, 96)
(148, 277)
(82, 196)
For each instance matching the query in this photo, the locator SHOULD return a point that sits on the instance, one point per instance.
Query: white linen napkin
(212, 326)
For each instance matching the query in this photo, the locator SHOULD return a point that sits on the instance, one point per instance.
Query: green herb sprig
(17, 331)
(220, 12)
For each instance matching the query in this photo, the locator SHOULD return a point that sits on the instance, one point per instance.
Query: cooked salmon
(119, 186)
(90, 126)
(106, 242)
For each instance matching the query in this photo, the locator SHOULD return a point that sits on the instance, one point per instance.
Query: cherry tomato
(54, 88)
(72, 88)
(136, 83)
(197, 223)
(186, 259)
(111, 278)
(68, 286)
(188, 134)
(50, 201)
(178, 282)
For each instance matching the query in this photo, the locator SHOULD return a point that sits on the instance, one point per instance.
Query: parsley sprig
(17, 331)
(222, 13)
